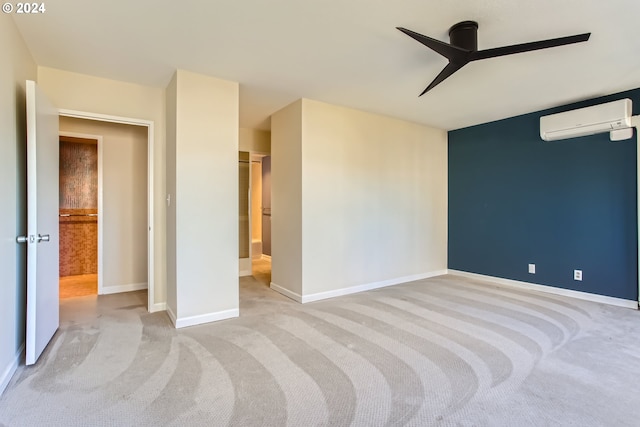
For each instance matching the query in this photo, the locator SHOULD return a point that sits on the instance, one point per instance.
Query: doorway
(261, 218)
(124, 250)
(265, 173)
(254, 191)
(255, 237)
(244, 213)
(78, 215)
(254, 179)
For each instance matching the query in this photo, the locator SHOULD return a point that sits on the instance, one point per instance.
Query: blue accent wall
(515, 199)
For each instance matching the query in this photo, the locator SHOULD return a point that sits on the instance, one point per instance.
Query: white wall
(81, 92)
(124, 214)
(374, 198)
(372, 203)
(286, 198)
(206, 198)
(16, 67)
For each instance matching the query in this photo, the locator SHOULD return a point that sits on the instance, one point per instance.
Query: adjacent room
(78, 217)
(103, 207)
(338, 213)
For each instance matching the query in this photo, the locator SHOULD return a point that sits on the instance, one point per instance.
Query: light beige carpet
(444, 351)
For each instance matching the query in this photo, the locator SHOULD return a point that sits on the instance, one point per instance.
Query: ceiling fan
(463, 47)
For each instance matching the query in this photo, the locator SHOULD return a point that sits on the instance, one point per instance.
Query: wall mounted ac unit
(607, 117)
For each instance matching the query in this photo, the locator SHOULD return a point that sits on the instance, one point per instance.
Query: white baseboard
(7, 374)
(286, 292)
(107, 290)
(244, 267)
(159, 306)
(369, 286)
(184, 322)
(171, 315)
(549, 289)
(353, 289)
(266, 257)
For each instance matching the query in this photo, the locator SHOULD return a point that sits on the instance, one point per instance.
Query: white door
(42, 223)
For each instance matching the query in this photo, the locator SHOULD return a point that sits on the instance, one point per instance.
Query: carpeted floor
(445, 351)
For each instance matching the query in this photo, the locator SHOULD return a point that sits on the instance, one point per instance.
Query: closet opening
(78, 216)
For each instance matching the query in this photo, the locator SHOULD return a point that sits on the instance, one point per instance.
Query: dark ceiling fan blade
(447, 71)
(444, 49)
(527, 47)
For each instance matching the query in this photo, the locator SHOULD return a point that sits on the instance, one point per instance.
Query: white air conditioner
(587, 121)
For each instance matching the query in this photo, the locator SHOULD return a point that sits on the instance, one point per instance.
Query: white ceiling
(348, 52)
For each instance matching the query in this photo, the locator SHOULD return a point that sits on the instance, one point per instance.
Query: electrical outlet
(532, 268)
(577, 275)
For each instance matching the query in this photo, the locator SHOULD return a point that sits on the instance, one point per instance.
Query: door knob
(33, 239)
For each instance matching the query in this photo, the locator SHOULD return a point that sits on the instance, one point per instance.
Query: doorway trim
(152, 306)
(100, 147)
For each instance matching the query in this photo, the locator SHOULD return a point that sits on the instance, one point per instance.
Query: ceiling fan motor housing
(464, 35)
